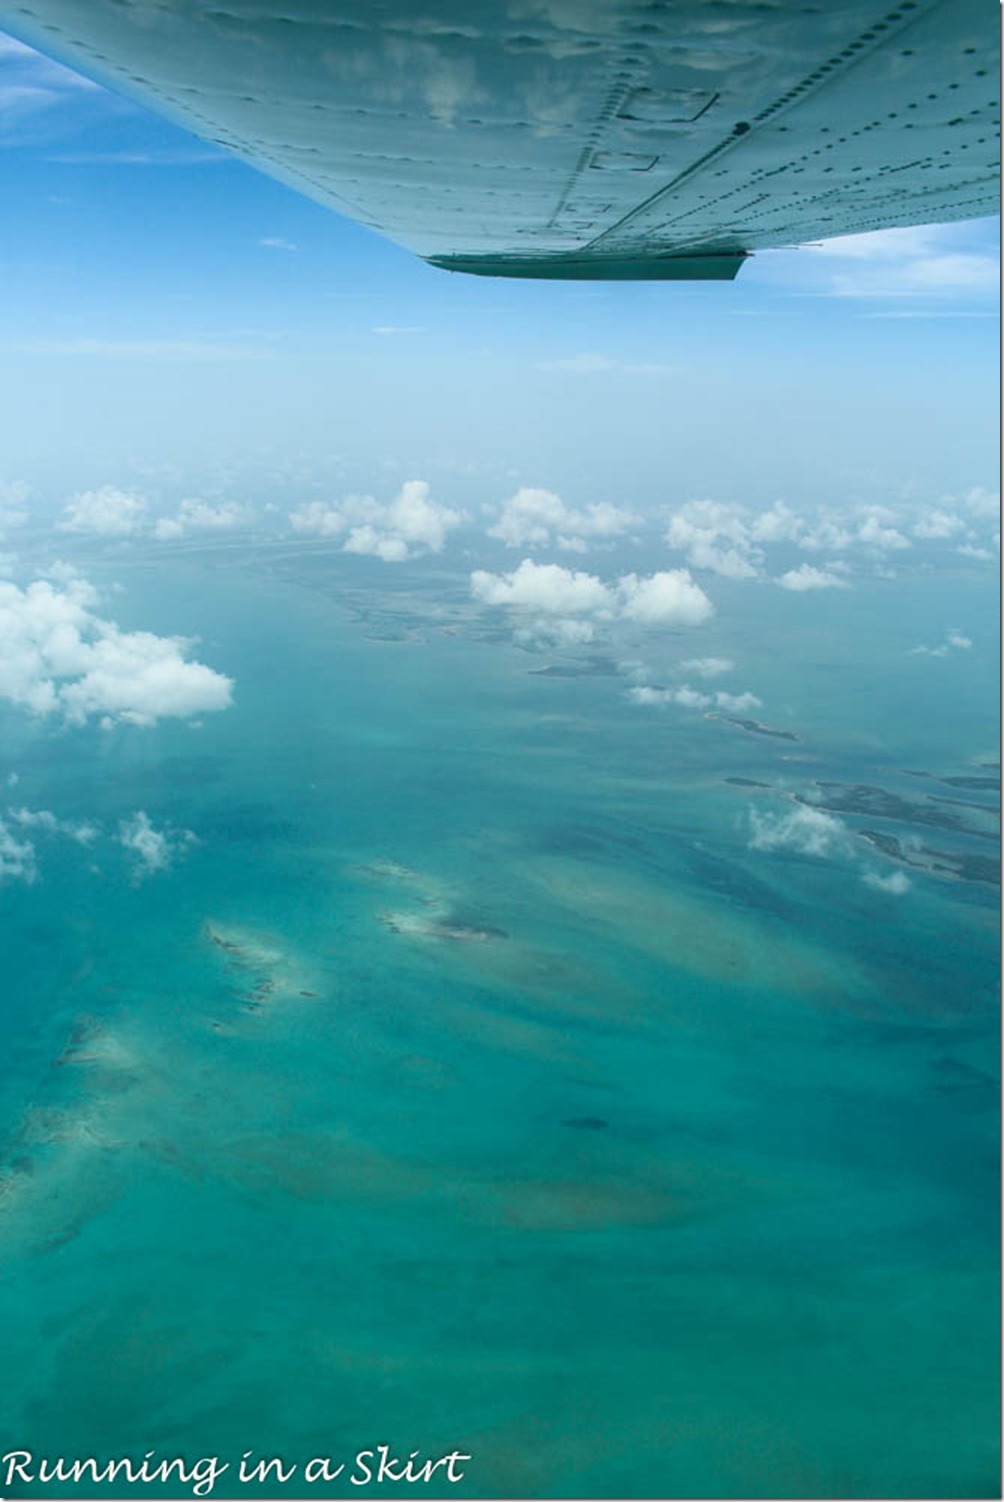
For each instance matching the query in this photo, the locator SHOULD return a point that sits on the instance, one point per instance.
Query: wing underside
(573, 138)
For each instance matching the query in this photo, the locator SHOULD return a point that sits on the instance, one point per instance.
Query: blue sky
(169, 311)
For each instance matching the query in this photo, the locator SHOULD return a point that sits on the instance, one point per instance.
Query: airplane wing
(598, 139)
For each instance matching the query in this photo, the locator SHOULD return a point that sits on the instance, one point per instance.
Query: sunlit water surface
(473, 1085)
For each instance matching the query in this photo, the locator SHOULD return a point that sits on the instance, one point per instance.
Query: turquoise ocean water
(472, 1084)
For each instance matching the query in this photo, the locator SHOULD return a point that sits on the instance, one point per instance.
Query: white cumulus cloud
(826, 533)
(980, 502)
(807, 577)
(807, 831)
(738, 703)
(13, 495)
(707, 667)
(393, 530)
(44, 820)
(896, 883)
(58, 656)
(546, 587)
(715, 536)
(938, 524)
(17, 857)
(106, 512)
(667, 598)
(199, 516)
(733, 540)
(689, 698)
(535, 517)
(875, 532)
(779, 524)
(556, 632)
(693, 698)
(153, 849)
(920, 262)
(954, 641)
